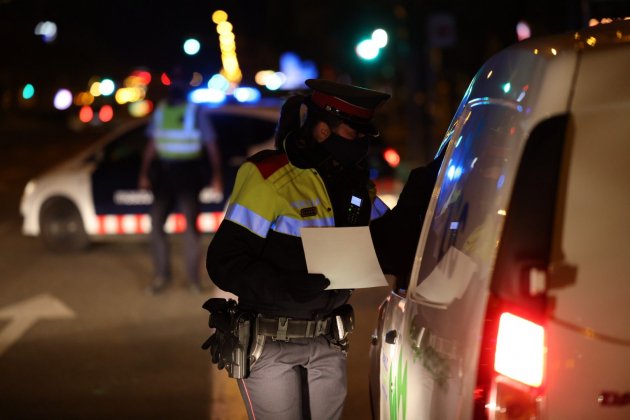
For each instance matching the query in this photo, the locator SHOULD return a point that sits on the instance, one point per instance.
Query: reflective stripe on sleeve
(247, 218)
(379, 208)
(291, 226)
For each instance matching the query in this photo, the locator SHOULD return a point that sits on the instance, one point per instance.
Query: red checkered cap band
(322, 100)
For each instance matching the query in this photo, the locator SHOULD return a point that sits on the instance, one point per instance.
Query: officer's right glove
(308, 287)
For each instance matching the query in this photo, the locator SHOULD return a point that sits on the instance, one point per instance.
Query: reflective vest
(273, 195)
(174, 132)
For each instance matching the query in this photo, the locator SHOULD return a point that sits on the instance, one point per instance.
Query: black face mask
(347, 152)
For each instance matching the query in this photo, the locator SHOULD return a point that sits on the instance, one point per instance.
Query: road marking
(25, 314)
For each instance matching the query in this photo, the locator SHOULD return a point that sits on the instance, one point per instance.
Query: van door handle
(390, 337)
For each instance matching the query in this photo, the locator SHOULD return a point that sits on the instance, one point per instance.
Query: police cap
(354, 105)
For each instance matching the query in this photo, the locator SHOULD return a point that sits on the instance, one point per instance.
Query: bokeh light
(86, 114)
(219, 16)
(63, 99)
(246, 94)
(523, 30)
(107, 87)
(106, 113)
(28, 91)
(141, 108)
(191, 46)
(367, 49)
(380, 38)
(219, 82)
(47, 30)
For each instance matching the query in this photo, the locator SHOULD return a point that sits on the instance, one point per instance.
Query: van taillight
(511, 374)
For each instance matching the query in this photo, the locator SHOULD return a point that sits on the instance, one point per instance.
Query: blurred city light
(63, 99)
(138, 77)
(106, 87)
(191, 46)
(140, 109)
(47, 30)
(196, 80)
(523, 30)
(28, 91)
(166, 81)
(86, 114)
(227, 44)
(95, 89)
(200, 96)
(296, 70)
(106, 113)
(368, 49)
(392, 157)
(380, 38)
(219, 16)
(275, 81)
(218, 82)
(247, 94)
(129, 94)
(83, 98)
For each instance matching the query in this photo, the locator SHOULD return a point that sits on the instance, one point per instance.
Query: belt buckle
(283, 325)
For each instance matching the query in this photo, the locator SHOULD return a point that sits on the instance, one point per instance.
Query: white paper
(344, 255)
(448, 280)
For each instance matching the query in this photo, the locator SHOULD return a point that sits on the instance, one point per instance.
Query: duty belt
(283, 328)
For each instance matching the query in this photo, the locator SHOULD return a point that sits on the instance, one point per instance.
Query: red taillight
(511, 365)
(392, 157)
(520, 352)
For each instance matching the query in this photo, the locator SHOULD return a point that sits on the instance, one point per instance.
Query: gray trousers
(275, 388)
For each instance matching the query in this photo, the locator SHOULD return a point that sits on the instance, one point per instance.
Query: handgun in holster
(230, 343)
(342, 325)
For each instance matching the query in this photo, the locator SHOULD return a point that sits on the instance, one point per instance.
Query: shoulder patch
(269, 161)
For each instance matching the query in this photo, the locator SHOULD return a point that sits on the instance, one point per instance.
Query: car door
(115, 179)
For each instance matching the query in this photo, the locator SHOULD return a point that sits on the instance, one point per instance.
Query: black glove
(308, 287)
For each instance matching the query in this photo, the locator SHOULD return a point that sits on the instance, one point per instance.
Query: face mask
(346, 152)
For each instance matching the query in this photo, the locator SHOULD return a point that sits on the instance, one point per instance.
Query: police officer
(174, 168)
(317, 177)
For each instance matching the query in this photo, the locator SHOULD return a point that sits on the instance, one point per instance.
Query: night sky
(111, 37)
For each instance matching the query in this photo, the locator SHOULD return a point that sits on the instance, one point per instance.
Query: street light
(369, 49)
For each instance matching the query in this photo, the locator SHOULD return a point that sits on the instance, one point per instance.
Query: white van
(518, 305)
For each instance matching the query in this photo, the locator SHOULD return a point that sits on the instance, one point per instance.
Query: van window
(473, 193)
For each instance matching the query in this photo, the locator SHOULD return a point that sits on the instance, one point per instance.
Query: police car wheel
(61, 226)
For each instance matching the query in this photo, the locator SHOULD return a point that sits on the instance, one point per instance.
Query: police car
(517, 305)
(94, 195)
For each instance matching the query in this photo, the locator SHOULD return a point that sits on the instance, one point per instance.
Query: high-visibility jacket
(257, 251)
(175, 133)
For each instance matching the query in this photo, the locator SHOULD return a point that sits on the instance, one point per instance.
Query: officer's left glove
(309, 287)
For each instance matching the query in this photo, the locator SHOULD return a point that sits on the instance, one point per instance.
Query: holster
(342, 326)
(231, 342)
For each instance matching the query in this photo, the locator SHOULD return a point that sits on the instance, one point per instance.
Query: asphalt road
(79, 337)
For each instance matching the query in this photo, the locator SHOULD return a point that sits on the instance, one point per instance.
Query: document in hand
(344, 255)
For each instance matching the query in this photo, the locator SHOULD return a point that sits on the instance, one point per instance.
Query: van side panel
(589, 334)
